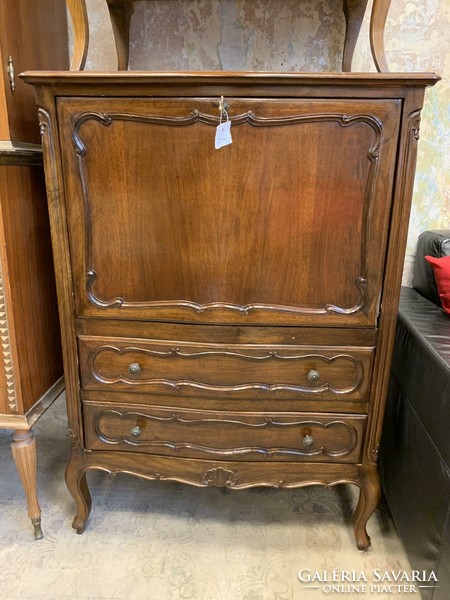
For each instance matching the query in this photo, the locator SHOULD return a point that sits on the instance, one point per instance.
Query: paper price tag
(223, 135)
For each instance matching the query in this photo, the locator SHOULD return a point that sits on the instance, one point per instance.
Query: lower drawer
(231, 435)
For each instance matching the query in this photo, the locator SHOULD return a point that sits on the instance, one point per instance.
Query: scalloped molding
(273, 355)
(249, 117)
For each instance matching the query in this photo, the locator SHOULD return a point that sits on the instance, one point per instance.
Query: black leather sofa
(414, 454)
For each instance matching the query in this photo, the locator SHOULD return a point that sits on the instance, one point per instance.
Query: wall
(299, 35)
(417, 39)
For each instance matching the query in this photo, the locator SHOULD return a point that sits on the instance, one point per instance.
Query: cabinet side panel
(31, 279)
(10, 396)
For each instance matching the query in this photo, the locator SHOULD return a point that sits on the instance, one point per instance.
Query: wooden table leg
(23, 449)
(80, 23)
(369, 496)
(378, 18)
(354, 11)
(78, 487)
(120, 12)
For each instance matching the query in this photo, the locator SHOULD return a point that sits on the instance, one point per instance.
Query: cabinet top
(62, 82)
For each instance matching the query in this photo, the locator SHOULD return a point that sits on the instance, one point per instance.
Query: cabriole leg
(369, 496)
(78, 487)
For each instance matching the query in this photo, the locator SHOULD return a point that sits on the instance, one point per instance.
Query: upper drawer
(287, 225)
(234, 370)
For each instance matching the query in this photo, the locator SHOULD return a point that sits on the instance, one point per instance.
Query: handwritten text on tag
(223, 135)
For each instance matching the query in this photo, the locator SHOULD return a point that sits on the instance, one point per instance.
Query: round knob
(313, 375)
(308, 441)
(136, 431)
(134, 368)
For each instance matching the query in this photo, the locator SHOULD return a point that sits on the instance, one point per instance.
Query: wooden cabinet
(228, 315)
(30, 357)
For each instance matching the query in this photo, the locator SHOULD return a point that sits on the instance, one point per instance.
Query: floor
(162, 541)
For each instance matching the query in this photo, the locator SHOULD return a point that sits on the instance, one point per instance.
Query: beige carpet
(162, 541)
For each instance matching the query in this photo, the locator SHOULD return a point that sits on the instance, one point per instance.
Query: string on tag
(222, 109)
(223, 130)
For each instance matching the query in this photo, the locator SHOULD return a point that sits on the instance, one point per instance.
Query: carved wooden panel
(158, 230)
(238, 436)
(227, 370)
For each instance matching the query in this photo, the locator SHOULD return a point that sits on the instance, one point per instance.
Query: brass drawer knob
(134, 368)
(136, 431)
(308, 441)
(313, 375)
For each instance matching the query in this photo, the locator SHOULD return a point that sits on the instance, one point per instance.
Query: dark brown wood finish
(176, 260)
(218, 369)
(233, 307)
(221, 436)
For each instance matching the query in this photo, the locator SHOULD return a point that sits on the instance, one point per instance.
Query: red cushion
(441, 268)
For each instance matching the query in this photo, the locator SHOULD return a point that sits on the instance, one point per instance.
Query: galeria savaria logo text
(379, 581)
